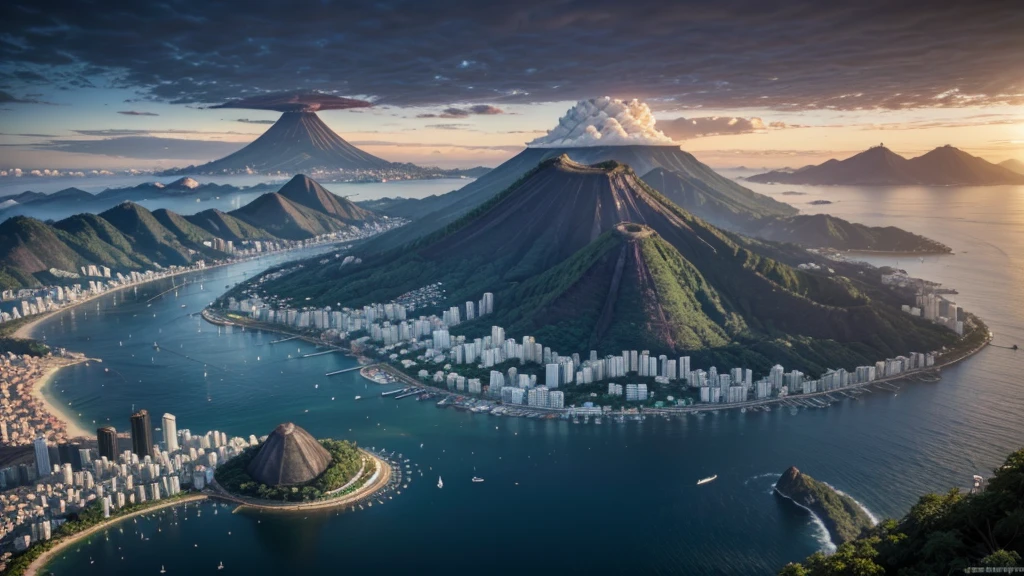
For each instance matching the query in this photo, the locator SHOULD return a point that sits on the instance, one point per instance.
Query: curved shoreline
(39, 563)
(71, 427)
(383, 477)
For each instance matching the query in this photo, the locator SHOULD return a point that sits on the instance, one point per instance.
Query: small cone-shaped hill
(289, 456)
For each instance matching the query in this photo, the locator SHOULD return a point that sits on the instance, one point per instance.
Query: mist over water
(558, 497)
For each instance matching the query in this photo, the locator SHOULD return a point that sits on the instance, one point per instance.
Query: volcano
(718, 195)
(298, 142)
(591, 257)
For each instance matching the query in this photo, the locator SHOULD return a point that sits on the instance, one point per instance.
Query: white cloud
(604, 122)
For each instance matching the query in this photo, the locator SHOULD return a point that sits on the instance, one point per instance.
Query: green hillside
(546, 247)
(941, 534)
(223, 225)
(286, 219)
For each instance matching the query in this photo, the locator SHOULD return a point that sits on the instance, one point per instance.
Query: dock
(414, 392)
(283, 340)
(393, 392)
(321, 353)
(343, 370)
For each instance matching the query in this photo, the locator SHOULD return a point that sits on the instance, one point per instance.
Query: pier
(321, 353)
(393, 392)
(343, 370)
(283, 340)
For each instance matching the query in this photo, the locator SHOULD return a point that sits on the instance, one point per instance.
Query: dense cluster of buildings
(23, 416)
(426, 345)
(67, 477)
(939, 310)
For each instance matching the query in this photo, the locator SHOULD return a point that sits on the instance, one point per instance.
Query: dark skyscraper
(142, 434)
(107, 439)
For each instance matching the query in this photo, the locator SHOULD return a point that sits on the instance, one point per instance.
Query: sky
(459, 83)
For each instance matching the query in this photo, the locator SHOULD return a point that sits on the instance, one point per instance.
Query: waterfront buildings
(142, 434)
(170, 431)
(106, 439)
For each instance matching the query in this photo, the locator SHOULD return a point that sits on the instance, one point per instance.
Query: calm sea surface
(558, 497)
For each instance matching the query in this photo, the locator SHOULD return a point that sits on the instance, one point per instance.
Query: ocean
(557, 497)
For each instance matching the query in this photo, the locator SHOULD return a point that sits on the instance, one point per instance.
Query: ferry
(477, 479)
(440, 484)
(706, 480)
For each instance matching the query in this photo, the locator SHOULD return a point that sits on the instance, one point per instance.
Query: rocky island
(844, 519)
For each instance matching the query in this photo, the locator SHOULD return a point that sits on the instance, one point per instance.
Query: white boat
(162, 569)
(477, 479)
(440, 484)
(706, 480)
(220, 566)
(359, 397)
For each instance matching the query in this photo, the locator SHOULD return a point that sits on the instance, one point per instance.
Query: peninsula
(842, 516)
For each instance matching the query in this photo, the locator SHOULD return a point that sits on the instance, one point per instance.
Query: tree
(1001, 559)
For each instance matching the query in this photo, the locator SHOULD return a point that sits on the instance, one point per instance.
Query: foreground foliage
(942, 534)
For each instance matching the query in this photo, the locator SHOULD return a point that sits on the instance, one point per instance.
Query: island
(842, 516)
(292, 470)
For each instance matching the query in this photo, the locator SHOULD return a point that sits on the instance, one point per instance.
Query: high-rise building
(170, 429)
(42, 458)
(142, 434)
(106, 437)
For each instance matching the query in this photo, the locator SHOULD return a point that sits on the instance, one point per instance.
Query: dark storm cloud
(136, 113)
(7, 98)
(479, 109)
(145, 147)
(794, 55)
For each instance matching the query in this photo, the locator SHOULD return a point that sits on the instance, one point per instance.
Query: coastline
(380, 481)
(71, 426)
(44, 558)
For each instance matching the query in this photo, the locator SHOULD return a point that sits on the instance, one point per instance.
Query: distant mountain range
(129, 237)
(1013, 165)
(879, 166)
(592, 257)
(675, 173)
(72, 200)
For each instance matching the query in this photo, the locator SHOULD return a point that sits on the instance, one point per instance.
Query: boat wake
(771, 487)
(820, 532)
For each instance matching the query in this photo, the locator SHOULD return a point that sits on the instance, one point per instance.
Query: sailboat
(162, 569)
(440, 483)
(220, 566)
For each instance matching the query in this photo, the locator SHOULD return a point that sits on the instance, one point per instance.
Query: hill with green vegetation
(941, 534)
(305, 191)
(129, 237)
(286, 219)
(825, 231)
(226, 226)
(549, 248)
(842, 516)
(721, 202)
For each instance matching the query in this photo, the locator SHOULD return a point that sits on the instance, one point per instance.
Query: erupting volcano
(298, 142)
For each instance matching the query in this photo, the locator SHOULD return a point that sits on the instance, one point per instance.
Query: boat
(477, 479)
(706, 480)
(359, 397)
(162, 569)
(184, 305)
(220, 566)
(440, 484)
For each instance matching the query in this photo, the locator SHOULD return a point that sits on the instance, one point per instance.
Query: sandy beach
(74, 430)
(39, 563)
